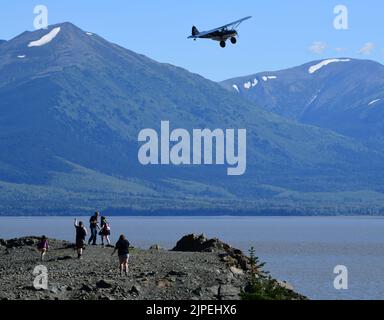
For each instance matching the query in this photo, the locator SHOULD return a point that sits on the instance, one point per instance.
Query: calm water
(302, 251)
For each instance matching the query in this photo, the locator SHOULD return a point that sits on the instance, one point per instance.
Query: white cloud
(367, 48)
(340, 50)
(318, 47)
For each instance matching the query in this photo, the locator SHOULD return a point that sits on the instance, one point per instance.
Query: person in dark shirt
(81, 233)
(122, 248)
(93, 225)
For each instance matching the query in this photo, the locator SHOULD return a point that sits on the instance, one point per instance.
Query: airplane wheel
(233, 40)
(222, 44)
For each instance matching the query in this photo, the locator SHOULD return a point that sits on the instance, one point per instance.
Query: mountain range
(72, 105)
(344, 95)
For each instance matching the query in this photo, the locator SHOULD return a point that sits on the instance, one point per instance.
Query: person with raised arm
(81, 233)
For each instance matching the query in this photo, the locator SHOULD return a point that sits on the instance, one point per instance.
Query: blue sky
(279, 35)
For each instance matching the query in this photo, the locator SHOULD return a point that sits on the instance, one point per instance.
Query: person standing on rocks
(81, 233)
(43, 247)
(94, 225)
(122, 248)
(105, 230)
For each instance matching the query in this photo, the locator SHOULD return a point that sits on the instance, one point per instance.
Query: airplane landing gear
(222, 44)
(233, 40)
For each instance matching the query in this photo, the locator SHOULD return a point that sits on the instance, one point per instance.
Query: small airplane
(221, 34)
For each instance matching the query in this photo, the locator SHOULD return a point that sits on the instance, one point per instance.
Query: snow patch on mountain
(373, 102)
(324, 63)
(89, 33)
(266, 78)
(45, 39)
(247, 85)
(236, 88)
(313, 99)
(21, 56)
(251, 84)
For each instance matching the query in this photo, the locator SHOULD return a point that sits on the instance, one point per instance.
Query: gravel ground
(153, 274)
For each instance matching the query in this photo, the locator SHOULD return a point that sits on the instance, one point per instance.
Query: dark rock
(198, 291)
(64, 258)
(135, 290)
(194, 243)
(86, 288)
(146, 274)
(233, 257)
(69, 246)
(21, 242)
(177, 274)
(116, 289)
(104, 284)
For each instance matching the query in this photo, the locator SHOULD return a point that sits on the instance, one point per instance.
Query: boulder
(104, 284)
(21, 242)
(194, 243)
(233, 257)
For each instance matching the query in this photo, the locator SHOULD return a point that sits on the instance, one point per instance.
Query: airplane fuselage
(223, 35)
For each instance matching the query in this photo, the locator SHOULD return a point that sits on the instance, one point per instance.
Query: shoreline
(198, 216)
(197, 268)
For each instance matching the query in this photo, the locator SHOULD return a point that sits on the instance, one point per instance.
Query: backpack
(107, 226)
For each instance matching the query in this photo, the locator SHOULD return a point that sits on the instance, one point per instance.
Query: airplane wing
(234, 25)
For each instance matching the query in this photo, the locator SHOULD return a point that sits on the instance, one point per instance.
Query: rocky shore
(197, 268)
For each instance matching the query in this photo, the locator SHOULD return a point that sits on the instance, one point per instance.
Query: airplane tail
(195, 31)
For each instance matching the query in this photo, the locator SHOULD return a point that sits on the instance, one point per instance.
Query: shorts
(124, 258)
(80, 244)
